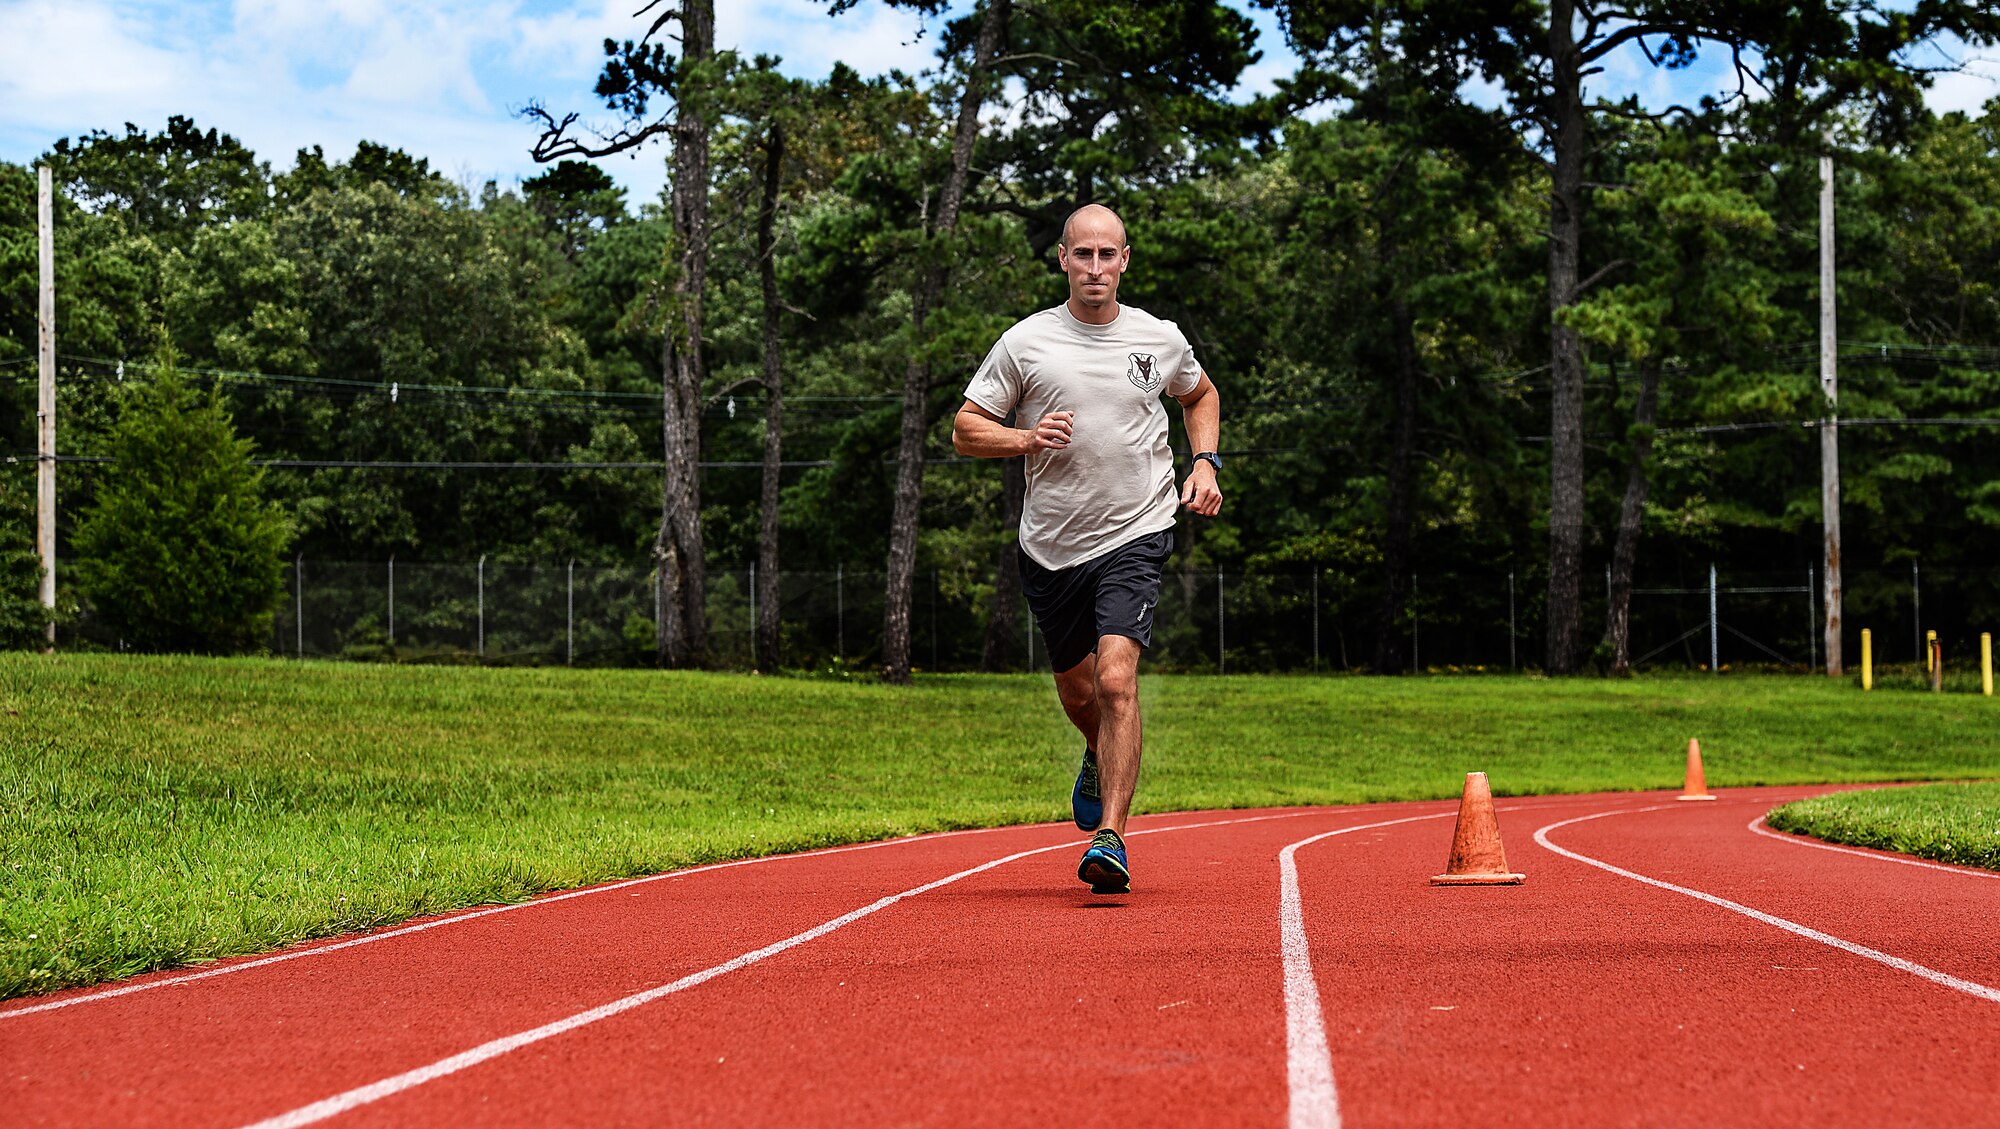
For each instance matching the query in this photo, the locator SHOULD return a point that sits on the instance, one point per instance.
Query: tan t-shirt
(1115, 480)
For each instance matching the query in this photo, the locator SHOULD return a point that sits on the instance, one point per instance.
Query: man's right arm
(981, 434)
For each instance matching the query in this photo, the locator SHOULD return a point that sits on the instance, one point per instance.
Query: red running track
(1666, 963)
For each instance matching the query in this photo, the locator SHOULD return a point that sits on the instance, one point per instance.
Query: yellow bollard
(1930, 648)
(1867, 659)
(1986, 663)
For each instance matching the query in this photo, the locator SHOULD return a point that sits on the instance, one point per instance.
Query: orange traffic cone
(1477, 858)
(1697, 787)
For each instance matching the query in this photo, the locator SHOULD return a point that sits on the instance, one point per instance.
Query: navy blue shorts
(1113, 594)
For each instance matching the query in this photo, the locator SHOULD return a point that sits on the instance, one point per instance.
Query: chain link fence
(1210, 620)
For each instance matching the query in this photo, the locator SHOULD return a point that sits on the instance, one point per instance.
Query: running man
(1099, 520)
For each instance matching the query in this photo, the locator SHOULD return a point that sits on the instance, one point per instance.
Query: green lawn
(157, 811)
(1958, 823)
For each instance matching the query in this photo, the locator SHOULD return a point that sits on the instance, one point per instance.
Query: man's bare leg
(1077, 687)
(1118, 730)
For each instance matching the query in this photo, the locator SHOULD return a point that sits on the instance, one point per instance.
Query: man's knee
(1117, 687)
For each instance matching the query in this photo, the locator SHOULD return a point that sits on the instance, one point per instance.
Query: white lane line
(469, 915)
(409, 1079)
(1760, 827)
(1315, 1103)
(1969, 987)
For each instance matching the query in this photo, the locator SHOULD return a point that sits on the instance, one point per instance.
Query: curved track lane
(1272, 967)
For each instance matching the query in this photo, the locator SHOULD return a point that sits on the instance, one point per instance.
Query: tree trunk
(1389, 656)
(917, 374)
(1617, 628)
(1002, 643)
(774, 408)
(683, 569)
(1565, 613)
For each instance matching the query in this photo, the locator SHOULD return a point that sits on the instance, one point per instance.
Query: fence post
(1315, 621)
(1916, 610)
(1513, 662)
(934, 633)
(569, 618)
(840, 611)
(1812, 621)
(753, 615)
(392, 601)
(1221, 644)
(482, 605)
(1416, 644)
(299, 601)
(1714, 659)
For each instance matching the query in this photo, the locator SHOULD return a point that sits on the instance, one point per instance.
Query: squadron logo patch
(1145, 372)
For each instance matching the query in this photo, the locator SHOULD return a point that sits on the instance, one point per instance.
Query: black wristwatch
(1211, 458)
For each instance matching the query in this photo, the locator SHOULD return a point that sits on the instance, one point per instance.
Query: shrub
(180, 551)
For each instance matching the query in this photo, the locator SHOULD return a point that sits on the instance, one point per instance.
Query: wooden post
(1937, 667)
(45, 417)
(1829, 432)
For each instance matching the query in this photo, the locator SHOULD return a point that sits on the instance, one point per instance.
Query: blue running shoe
(1103, 865)
(1084, 802)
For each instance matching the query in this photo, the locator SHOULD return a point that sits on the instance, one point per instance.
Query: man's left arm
(1201, 410)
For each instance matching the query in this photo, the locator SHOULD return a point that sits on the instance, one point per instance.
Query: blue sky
(441, 79)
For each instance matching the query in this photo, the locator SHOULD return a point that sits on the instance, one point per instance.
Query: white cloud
(871, 37)
(82, 54)
(1969, 88)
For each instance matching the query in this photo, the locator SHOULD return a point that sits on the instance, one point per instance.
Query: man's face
(1093, 259)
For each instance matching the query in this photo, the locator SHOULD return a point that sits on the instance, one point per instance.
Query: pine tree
(180, 551)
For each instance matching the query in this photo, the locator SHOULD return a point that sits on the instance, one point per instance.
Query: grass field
(1956, 823)
(157, 811)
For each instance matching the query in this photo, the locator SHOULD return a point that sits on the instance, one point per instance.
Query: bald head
(1093, 221)
(1093, 254)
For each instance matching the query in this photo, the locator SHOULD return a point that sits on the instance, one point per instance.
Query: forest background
(1457, 339)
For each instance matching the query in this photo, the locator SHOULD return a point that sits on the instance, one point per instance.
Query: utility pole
(1829, 431)
(45, 418)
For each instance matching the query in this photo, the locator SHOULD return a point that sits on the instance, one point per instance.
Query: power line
(366, 386)
(398, 464)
